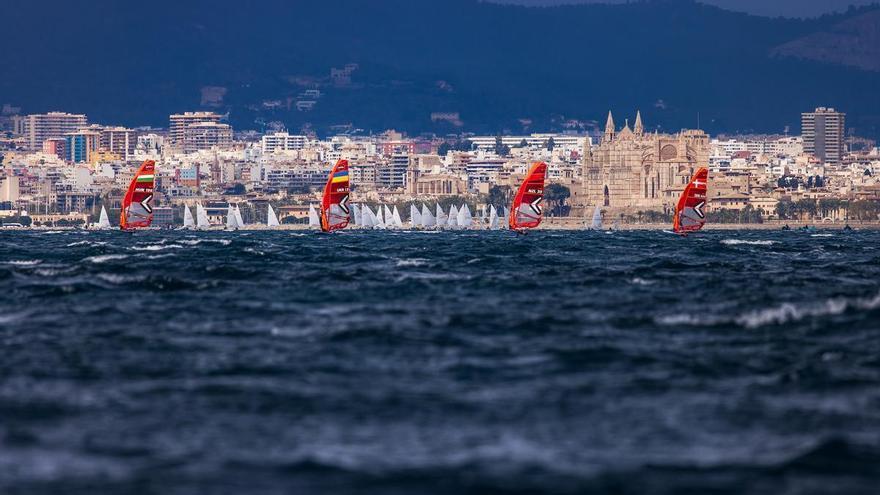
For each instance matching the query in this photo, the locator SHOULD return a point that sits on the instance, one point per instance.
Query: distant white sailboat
(238, 221)
(388, 217)
(616, 226)
(202, 217)
(493, 218)
(465, 219)
(597, 218)
(452, 220)
(415, 218)
(188, 221)
(505, 220)
(381, 221)
(314, 221)
(395, 216)
(356, 217)
(231, 223)
(441, 217)
(428, 219)
(272, 218)
(103, 219)
(366, 220)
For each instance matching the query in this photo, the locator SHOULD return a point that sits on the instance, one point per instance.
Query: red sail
(335, 214)
(526, 212)
(137, 208)
(690, 214)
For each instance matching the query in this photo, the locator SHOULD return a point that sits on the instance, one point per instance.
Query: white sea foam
(412, 262)
(641, 281)
(156, 247)
(23, 262)
(821, 235)
(160, 256)
(196, 242)
(87, 243)
(103, 258)
(778, 315)
(115, 278)
(737, 242)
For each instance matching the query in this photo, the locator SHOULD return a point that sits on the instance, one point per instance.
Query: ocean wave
(103, 258)
(778, 315)
(118, 279)
(412, 262)
(160, 256)
(196, 242)
(87, 243)
(156, 247)
(821, 235)
(22, 262)
(737, 242)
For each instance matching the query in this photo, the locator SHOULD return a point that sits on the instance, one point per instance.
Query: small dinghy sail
(364, 217)
(230, 218)
(441, 217)
(415, 218)
(452, 219)
(238, 221)
(103, 219)
(690, 214)
(314, 221)
(137, 208)
(272, 218)
(395, 215)
(597, 218)
(465, 219)
(335, 213)
(526, 212)
(428, 219)
(388, 217)
(493, 218)
(202, 217)
(188, 221)
(356, 215)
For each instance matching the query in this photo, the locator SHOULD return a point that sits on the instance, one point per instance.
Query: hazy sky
(789, 8)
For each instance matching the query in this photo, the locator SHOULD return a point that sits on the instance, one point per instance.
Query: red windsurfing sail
(335, 213)
(137, 208)
(690, 214)
(526, 212)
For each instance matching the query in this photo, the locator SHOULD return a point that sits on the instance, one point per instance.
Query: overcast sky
(789, 8)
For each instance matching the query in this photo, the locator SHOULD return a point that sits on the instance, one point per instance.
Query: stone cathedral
(633, 170)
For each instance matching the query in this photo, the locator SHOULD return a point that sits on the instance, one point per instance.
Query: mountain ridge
(497, 66)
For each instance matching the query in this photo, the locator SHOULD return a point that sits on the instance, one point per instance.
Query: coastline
(548, 224)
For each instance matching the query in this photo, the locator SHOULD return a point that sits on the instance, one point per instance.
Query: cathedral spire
(609, 128)
(639, 128)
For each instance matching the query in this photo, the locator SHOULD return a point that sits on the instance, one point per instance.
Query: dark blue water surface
(423, 363)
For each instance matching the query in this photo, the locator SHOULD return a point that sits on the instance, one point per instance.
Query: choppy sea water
(423, 363)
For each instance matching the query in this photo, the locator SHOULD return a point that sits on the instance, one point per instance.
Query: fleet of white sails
(457, 217)
(383, 218)
(362, 216)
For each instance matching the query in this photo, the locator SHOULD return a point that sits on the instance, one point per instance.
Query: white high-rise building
(282, 141)
(38, 128)
(180, 122)
(823, 132)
